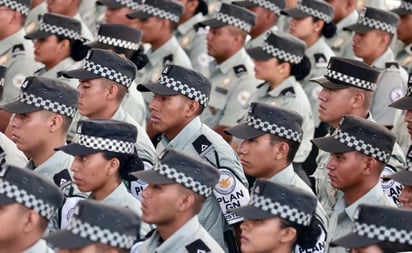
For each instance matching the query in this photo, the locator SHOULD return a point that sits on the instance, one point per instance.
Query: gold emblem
(338, 43)
(226, 82)
(30, 27)
(3, 59)
(407, 60)
(185, 41)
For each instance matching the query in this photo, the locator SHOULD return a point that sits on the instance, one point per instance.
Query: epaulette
(320, 60)
(200, 29)
(168, 59)
(197, 246)
(392, 65)
(62, 178)
(17, 49)
(240, 70)
(288, 92)
(202, 145)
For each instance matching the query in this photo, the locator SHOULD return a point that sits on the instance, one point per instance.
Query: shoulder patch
(197, 247)
(239, 70)
(202, 145)
(288, 92)
(320, 60)
(17, 49)
(396, 94)
(62, 178)
(200, 29)
(392, 65)
(168, 59)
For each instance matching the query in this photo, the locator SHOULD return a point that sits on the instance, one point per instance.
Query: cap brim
(96, 44)
(76, 149)
(67, 240)
(157, 88)
(138, 15)
(244, 132)
(37, 34)
(244, 3)
(294, 13)
(80, 74)
(403, 176)
(257, 53)
(251, 212)
(351, 241)
(401, 11)
(324, 82)
(331, 145)
(358, 28)
(110, 3)
(152, 177)
(18, 107)
(4, 200)
(404, 103)
(213, 23)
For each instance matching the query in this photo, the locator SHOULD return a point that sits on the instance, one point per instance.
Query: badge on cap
(257, 189)
(161, 155)
(3, 170)
(166, 69)
(362, 13)
(79, 129)
(89, 54)
(217, 7)
(25, 84)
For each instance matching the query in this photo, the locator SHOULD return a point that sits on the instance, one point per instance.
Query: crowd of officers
(205, 126)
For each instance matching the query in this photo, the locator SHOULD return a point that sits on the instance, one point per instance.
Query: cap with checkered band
(279, 45)
(273, 5)
(96, 135)
(101, 63)
(117, 36)
(177, 80)
(43, 93)
(405, 103)
(167, 9)
(374, 224)
(343, 73)
(374, 19)
(117, 4)
(266, 118)
(404, 176)
(231, 14)
(23, 186)
(22, 6)
(311, 8)
(96, 222)
(269, 199)
(359, 134)
(404, 9)
(177, 167)
(56, 24)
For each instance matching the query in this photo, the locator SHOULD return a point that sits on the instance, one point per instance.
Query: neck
(161, 41)
(20, 244)
(311, 40)
(9, 32)
(370, 59)
(107, 113)
(106, 189)
(275, 169)
(44, 151)
(167, 230)
(353, 194)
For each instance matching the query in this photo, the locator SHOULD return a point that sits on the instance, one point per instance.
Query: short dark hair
(293, 146)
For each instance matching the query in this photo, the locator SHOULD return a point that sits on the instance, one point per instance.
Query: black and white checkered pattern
(267, 5)
(230, 20)
(54, 29)
(406, 5)
(409, 92)
(118, 42)
(152, 10)
(361, 146)
(383, 233)
(27, 199)
(280, 54)
(14, 5)
(315, 13)
(129, 3)
(97, 234)
(333, 74)
(181, 178)
(284, 211)
(280, 131)
(100, 143)
(108, 73)
(184, 89)
(377, 24)
(46, 104)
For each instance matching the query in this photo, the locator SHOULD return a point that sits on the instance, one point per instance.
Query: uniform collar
(184, 136)
(114, 196)
(39, 247)
(10, 41)
(408, 49)
(62, 65)
(120, 114)
(285, 84)
(189, 24)
(383, 59)
(320, 43)
(58, 161)
(163, 51)
(234, 60)
(285, 175)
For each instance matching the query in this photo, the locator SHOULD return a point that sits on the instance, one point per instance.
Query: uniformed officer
(347, 89)
(370, 230)
(360, 149)
(46, 107)
(271, 137)
(345, 14)
(179, 184)
(117, 10)
(280, 61)
(286, 221)
(180, 96)
(56, 33)
(37, 8)
(70, 9)
(16, 53)
(373, 33)
(125, 41)
(404, 56)
(114, 229)
(267, 14)
(157, 21)
(104, 80)
(10, 154)
(27, 201)
(312, 23)
(231, 74)
(104, 154)
(192, 35)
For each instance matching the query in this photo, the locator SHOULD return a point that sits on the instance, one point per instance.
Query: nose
(245, 225)
(75, 164)
(403, 197)
(322, 95)
(243, 148)
(15, 121)
(331, 163)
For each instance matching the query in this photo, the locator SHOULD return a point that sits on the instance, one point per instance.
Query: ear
(283, 150)
(358, 99)
(192, 6)
(113, 90)
(370, 165)
(288, 235)
(55, 122)
(185, 201)
(63, 46)
(31, 219)
(191, 108)
(113, 167)
(318, 25)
